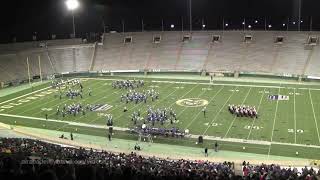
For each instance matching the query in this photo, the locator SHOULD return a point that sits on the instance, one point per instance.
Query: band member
(204, 111)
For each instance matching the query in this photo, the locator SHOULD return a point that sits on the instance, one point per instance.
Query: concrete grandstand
(210, 51)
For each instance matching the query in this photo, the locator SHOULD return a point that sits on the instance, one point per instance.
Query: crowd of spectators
(34, 159)
(167, 132)
(58, 162)
(268, 172)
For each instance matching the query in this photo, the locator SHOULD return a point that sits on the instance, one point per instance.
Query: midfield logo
(192, 102)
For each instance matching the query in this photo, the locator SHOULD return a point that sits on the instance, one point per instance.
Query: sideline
(219, 84)
(158, 150)
(259, 142)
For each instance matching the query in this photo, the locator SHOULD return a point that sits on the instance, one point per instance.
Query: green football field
(284, 127)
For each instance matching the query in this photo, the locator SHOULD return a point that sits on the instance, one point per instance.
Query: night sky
(21, 18)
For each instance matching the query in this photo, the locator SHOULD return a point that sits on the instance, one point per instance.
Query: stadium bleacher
(19, 156)
(262, 54)
(314, 65)
(195, 52)
(36, 159)
(231, 53)
(167, 52)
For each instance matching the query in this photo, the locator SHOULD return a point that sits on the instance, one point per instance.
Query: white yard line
(314, 115)
(27, 95)
(215, 117)
(274, 122)
(96, 101)
(112, 94)
(65, 122)
(201, 111)
(258, 112)
(59, 103)
(140, 104)
(239, 85)
(135, 106)
(235, 117)
(294, 116)
(184, 95)
(35, 101)
(39, 105)
(24, 95)
(181, 98)
(309, 89)
(179, 114)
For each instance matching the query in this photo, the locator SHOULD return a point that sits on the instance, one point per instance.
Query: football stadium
(236, 101)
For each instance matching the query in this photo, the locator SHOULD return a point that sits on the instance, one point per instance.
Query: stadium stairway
(51, 61)
(227, 54)
(93, 57)
(277, 49)
(107, 56)
(260, 53)
(313, 66)
(310, 54)
(179, 51)
(292, 57)
(82, 56)
(210, 55)
(150, 56)
(193, 53)
(166, 53)
(142, 50)
(5, 67)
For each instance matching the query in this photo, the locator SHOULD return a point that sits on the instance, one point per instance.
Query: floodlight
(270, 26)
(256, 21)
(243, 23)
(72, 4)
(249, 26)
(203, 25)
(293, 22)
(301, 21)
(227, 24)
(172, 26)
(283, 24)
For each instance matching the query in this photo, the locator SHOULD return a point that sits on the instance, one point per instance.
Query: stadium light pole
(299, 16)
(162, 25)
(123, 26)
(311, 23)
(190, 15)
(72, 5)
(203, 25)
(181, 23)
(142, 25)
(244, 25)
(222, 24)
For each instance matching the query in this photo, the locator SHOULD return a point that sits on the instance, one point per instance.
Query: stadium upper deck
(278, 52)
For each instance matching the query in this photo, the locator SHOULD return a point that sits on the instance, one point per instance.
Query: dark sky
(21, 18)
